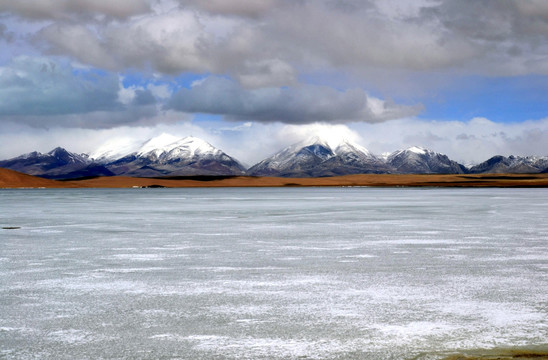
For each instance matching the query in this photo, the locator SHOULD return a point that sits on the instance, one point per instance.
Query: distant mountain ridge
(512, 164)
(316, 158)
(188, 156)
(418, 160)
(56, 164)
(166, 155)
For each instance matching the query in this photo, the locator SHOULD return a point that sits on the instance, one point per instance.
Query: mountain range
(167, 155)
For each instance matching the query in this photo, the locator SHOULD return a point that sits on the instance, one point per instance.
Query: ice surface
(352, 273)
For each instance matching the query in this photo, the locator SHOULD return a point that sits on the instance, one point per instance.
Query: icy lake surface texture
(273, 273)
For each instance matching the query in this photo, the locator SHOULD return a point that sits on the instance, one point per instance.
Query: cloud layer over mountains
(391, 70)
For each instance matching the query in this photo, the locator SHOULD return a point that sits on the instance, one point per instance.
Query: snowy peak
(512, 164)
(169, 147)
(294, 159)
(321, 151)
(167, 155)
(115, 149)
(418, 160)
(317, 157)
(352, 148)
(157, 145)
(418, 150)
(55, 164)
(413, 151)
(164, 146)
(67, 157)
(338, 146)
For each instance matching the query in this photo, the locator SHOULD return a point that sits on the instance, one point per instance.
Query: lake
(271, 273)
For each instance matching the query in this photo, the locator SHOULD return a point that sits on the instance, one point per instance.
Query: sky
(467, 78)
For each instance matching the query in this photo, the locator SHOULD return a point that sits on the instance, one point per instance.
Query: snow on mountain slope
(294, 159)
(167, 155)
(316, 157)
(115, 149)
(188, 147)
(157, 145)
(512, 164)
(418, 160)
(56, 164)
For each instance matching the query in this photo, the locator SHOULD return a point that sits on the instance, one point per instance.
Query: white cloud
(467, 142)
(78, 41)
(160, 91)
(333, 134)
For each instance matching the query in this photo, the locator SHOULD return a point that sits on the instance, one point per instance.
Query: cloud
(509, 37)
(253, 38)
(6, 35)
(170, 43)
(43, 92)
(267, 73)
(299, 104)
(78, 41)
(74, 9)
(246, 8)
(470, 141)
(38, 86)
(266, 43)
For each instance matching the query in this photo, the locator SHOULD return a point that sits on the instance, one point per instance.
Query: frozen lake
(274, 273)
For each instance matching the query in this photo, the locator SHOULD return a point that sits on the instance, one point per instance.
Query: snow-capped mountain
(512, 164)
(315, 157)
(166, 155)
(56, 164)
(115, 149)
(297, 159)
(418, 160)
(351, 158)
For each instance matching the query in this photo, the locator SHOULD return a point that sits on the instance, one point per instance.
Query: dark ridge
(194, 177)
(500, 355)
(80, 178)
(502, 177)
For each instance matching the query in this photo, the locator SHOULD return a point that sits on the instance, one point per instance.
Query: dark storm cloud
(43, 92)
(509, 36)
(41, 86)
(294, 105)
(130, 116)
(266, 42)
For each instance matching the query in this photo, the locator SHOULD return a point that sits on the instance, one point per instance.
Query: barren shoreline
(499, 354)
(13, 179)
